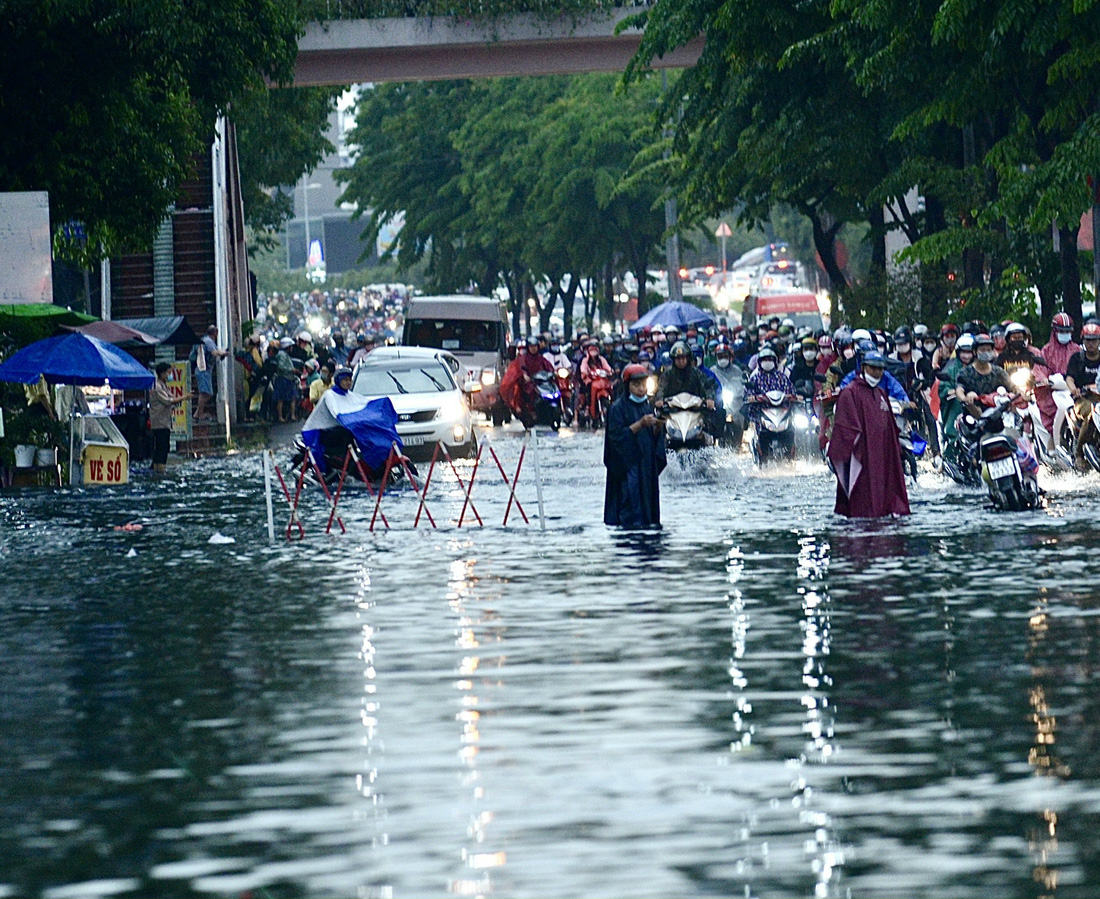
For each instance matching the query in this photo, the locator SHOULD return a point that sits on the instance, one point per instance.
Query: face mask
(767, 365)
(639, 399)
(555, 349)
(930, 346)
(723, 362)
(986, 357)
(871, 379)
(809, 355)
(849, 352)
(903, 348)
(1064, 337)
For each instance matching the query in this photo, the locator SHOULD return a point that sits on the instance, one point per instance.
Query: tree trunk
(546, 308)
(933, 275)
(1071, 273)
(568, 297)
(607, 307)
(515, 303)
(639, 259)
(876, 217)
(825, 232)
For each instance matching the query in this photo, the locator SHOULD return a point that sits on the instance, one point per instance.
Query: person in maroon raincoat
(864, 450)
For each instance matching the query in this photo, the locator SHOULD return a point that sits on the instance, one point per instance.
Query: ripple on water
(759, 699)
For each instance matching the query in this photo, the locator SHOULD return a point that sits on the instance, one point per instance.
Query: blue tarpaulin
(373, 425)
(76, 359)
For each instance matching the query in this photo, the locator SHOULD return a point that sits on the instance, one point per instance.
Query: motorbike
(599, 399)
(335, 443)
(548, 408)
(1090, 447)
(1007, 461)
(733, 424)
(773, 438)
(913, 444)
(564, 377)
(805, 422)
(684, 418)
(1054, 447)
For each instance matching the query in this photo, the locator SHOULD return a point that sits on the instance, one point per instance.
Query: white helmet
(860, 334)
(306, 336)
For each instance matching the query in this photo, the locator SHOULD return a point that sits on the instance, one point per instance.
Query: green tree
(281, 135)
(105, 105)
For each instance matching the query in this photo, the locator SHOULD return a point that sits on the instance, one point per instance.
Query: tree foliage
(105, 105)
(510, 181)
(841, 106)
(281, 134)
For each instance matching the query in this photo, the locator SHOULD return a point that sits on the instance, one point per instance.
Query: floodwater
(761, 700)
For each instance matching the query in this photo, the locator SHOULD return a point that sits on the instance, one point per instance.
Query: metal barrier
(440, 455)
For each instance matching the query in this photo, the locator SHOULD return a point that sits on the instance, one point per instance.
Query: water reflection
(371, 814)
(827, 853)
(476, 855)
(1043, 837)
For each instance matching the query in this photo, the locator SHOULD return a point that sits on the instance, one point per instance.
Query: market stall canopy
(25, 323)
(172, 330)
(116, 333)
(683, 315)
(76, 359)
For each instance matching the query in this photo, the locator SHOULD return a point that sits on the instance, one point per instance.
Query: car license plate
(1002, 468)
(414, 441)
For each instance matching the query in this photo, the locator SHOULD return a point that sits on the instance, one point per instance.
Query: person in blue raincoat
(634, 455)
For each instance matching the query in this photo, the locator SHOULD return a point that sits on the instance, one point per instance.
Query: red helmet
(1091, 330)
(950, 328)
(634, 372)
(1062, 322)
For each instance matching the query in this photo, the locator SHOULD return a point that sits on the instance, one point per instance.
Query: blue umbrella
(76, 359)
(683, 315)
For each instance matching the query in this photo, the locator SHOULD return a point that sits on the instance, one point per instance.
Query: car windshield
(456, 335)
(430, 377)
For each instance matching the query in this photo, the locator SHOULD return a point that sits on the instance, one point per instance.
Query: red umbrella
(113, 332)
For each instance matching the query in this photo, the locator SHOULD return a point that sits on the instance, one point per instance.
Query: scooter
(1048, 444)
(912, 444)
(684, 423)
(548, 409)
(599, 398)
(1008, 463)
(733, 425)
(1090, 448)
(805, 423)
(334, 444)
(773, 438)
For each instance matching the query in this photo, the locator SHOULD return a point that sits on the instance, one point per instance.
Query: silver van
(475, 330)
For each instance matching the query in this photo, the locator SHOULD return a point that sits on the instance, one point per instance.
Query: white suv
(430, 406)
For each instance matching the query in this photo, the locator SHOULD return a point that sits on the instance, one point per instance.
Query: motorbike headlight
(693, 433)
(1021, 379)
(488, 376)
(563, 373)
(727, 396)
(651, 385)
(801, 421)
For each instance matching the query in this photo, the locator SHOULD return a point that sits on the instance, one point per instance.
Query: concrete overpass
(351, 51)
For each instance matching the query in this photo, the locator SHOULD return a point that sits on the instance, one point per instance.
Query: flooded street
(761, 700)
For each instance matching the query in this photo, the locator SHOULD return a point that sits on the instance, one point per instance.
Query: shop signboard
(179, 384)
(106, 464)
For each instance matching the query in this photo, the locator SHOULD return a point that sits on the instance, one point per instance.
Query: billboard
(26, 274)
